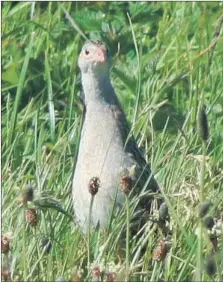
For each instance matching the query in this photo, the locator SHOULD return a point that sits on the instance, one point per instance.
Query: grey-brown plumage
(106, 152)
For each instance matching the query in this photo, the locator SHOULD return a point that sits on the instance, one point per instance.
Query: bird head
(94, 58)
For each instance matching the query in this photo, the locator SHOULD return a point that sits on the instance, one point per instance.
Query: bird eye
(86, 52)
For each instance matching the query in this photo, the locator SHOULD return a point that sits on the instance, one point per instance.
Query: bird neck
(97, 88)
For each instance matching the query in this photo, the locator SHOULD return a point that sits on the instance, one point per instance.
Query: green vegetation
(167, 64)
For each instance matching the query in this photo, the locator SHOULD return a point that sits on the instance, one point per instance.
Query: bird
(108, 160)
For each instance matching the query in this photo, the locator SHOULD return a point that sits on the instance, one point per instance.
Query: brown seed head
(110, 277)
(5, 274)
(126, 184)
(160, 251)
(31, 217)
(5, 244)
(76, 278)
(94, 184)
(96, 272)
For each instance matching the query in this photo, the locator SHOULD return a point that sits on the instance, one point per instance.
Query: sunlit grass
(167, 57)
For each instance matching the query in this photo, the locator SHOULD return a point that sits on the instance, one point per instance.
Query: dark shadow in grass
(168, 113)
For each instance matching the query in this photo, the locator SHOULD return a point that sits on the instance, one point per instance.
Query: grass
(167, 59)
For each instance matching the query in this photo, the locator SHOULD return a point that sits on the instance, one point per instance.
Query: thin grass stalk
(89, 233)
(203, 133)
(200, 241)
(139, 72)
(186, 264)
(127, 236)
(201, 195)
(24, 238)
(52, 119)
(18, 96)
(155, 270)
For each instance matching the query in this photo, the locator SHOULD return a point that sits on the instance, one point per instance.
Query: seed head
(160, 251)
(126, 184)
(5, 244)
(214, 241)
(94, 184)
(202, 123)
(5, 273)
(31, 217)
(209, 222)
(27, 194)
(76, 277)
(163, 211)
(110, 277)
(210, 265)
(204, 207)
(96, 272)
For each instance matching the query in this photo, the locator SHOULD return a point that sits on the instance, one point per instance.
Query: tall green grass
(167, 58)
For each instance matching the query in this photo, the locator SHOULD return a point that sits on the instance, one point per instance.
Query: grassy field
(167, 68)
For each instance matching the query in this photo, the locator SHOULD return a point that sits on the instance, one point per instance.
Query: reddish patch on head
(98, 55)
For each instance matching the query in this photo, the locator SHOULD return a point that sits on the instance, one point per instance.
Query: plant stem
(202, 180)
(127, 236)
(89, 232)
